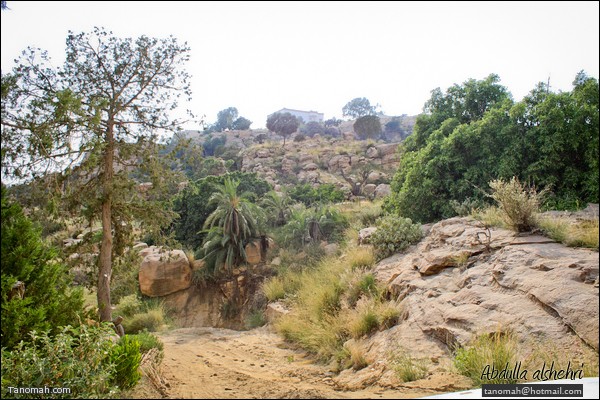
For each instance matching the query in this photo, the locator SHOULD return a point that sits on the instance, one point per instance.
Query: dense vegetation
(470, 141)
(475, 133)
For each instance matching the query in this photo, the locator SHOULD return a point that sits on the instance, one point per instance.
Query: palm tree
(231, 226)
(278, 206)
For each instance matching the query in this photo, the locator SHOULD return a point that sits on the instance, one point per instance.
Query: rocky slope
(463, 279)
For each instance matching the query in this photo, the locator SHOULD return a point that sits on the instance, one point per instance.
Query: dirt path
(227, 364)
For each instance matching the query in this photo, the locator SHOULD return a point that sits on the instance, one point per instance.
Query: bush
(129, 306)
(309, 226)
(148, 341)
(152, 319)
(126, 358)
(299, 138)
(255, 319)
(519, 204)
(36, 289)
(486, 351)
(75, 358)
(366, 322)
(324, 193)
(408, 369)
(394, 234)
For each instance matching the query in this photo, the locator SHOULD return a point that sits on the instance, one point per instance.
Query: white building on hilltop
(307, 116)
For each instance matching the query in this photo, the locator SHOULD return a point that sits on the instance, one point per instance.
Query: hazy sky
(263, 56)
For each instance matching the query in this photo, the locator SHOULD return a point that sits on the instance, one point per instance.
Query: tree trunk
(105, 259)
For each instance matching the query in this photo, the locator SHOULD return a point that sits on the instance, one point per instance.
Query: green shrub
(466, 207)
(487, 351)
(150, 320)
(255, 319)
(148, 341)
(48, 300)
(322, 194)
(366, 322)
(394, 234)
(129, 306)
(75, 358)
(299, 138)
(307, 226)
(126, 358)
(519, 204)
(408, 369)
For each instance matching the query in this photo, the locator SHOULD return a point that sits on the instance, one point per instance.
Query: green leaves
(474, 134)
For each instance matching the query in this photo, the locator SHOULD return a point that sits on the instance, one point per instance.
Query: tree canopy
(359, 107)
(283, 124)
(368, 127)
(36, 292)
(229, 119)
(97, 121)
(474, 133)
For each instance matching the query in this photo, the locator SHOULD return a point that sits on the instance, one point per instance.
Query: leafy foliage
(308, 225)
(312, 128)
(230, 119)
(47, 301)
(283, 124)
(393, 235)
(322, 194)
(278, 206)
(231, 225)
(358, 107)
(75, 358)
(474, 134)
(126, 358)
(193, 206)
(95, 121)
(368, 127)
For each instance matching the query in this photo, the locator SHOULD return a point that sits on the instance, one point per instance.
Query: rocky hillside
(343, 161)
(319, 160)
(463, 279)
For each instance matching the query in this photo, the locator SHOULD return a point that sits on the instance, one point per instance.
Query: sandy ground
(256, 364)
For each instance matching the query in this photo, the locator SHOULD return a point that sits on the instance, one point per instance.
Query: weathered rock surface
(163, 273)
(462, 280)
(454, 284)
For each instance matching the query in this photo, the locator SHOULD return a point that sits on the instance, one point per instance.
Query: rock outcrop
(163, 273)
(464, 279)
(319, 161)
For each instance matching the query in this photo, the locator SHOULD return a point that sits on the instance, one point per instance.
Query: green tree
(225, 118)
(36, 288)
(103, 111)
(277, 205)
(549, 140)
(193, 207)
(283, 124)
(359, 107)
(232, 224)
(368, 127)
(312, 128)
(241, 124)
